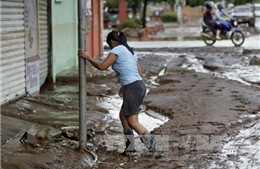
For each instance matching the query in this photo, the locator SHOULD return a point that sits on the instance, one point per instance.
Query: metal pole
(82, 74)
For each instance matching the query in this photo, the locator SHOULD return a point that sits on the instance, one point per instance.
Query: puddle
(115, 141)
(151, 83)
(243, 151)
(194, 64)
(240, 72)
(148, 117)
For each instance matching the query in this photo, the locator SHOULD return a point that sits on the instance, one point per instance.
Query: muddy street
(202, 106)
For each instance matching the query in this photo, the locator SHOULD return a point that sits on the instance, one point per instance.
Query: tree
(241, 2)
(145, 2)
(171, 2)
(144, 14)
(195, 2)
(134, 4)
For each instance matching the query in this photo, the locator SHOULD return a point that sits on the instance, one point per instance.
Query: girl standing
(125, 63)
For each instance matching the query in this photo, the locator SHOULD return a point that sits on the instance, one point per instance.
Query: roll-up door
(44, 39)
(12, 50)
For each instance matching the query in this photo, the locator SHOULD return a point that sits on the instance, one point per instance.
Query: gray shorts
(133, 95)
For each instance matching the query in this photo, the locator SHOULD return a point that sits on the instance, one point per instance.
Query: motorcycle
(229, 30)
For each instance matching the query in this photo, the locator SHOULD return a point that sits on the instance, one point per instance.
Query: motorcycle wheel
(208, 41)
(237, 38)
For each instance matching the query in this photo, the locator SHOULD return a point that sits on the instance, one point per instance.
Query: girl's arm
(139, 69)
(111, 58)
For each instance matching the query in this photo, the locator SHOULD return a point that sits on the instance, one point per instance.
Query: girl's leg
(128, 132)
(133, 122)
(123, 120)
(146, 137)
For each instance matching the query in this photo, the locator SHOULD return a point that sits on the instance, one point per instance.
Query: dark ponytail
(123, 41)
(120, 38)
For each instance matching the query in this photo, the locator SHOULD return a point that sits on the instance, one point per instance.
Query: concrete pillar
(122, 9)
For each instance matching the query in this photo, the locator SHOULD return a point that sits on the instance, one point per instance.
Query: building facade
(39, 39)
(24, 47)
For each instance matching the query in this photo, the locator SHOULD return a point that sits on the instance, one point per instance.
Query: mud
(209, 96)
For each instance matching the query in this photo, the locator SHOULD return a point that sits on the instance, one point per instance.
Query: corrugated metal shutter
(12, 50)
(44, 39)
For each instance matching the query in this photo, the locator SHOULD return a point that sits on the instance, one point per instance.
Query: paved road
(250, 43)
(252, 40)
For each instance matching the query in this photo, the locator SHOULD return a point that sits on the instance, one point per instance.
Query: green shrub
(130, 23)
(169, 17)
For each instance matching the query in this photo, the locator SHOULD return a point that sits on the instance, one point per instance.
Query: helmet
(220, 5)
(209, 4)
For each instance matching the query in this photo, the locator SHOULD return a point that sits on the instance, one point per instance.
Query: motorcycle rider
(221, 14)
(208, 19)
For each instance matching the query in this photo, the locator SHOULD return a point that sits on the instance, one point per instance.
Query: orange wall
(122, 11)
(94, 42)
